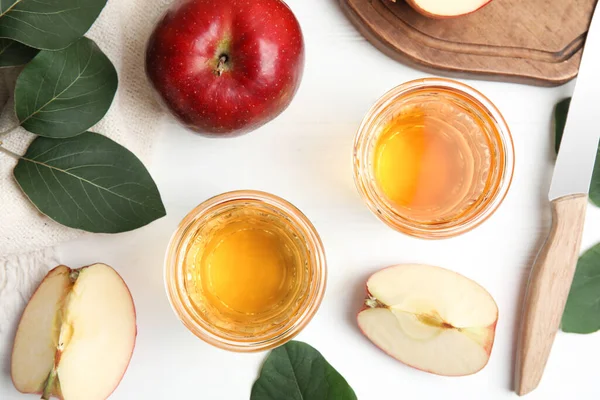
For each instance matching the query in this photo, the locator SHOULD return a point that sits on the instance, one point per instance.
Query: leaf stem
(8, 152)
(6, 132)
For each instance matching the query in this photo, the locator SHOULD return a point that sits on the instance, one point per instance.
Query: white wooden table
(305, 157)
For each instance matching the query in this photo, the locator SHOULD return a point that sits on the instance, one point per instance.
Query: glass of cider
(245, 271)
(433, 158)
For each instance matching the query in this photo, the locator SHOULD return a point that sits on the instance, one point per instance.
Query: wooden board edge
(397, 53)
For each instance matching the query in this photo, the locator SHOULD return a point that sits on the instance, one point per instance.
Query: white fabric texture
(27, 236)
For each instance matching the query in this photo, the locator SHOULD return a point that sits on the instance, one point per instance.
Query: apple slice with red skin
(447, 8)
(226, 67)
(76, 336)
(430, 318)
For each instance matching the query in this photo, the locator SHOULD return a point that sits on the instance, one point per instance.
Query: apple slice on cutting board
(76, 335)
(430, 318)
(446, 8)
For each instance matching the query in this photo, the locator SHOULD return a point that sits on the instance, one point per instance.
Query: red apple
(226, 67)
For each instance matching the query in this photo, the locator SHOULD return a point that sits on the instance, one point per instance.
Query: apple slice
(446, 8)
(430, 318)
(76, 335)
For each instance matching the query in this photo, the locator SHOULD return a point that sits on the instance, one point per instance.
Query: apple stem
(74, 275)
(50, 384)
(221, 65)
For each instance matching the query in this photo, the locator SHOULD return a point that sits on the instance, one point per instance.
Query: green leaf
(63, 93)
(89, 182)
(13, 53)
(47, 24)
(296, 371)
(582, 313)
(560, 119)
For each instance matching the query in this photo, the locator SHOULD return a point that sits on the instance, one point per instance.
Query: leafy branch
(78, 178)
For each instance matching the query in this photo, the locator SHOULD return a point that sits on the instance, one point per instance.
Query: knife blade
(577, 154)
(554, 267)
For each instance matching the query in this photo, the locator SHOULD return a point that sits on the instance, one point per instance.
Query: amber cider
(243, 265)
(245, 271)
(246, 268)
(431, 160)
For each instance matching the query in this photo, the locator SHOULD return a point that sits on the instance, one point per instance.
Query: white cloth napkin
(26, 236)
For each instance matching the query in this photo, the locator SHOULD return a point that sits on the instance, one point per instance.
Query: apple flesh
(76, 335)
(446, 8)
(430, 318)
(226, 67)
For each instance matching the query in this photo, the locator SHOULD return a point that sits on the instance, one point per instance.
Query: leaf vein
(94, 204)
(9, 8)
(112, 209)
(50, 191)
(71, 197)
(91, 183)
(63, 91)
(68, 108)
(31, 25)
(48, 13)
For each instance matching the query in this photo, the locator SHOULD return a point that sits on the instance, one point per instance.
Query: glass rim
(181, 305)
(381, 209)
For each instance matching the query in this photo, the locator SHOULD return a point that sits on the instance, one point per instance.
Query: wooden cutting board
(532, 41)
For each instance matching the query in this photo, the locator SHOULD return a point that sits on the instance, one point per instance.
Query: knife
(553, 270)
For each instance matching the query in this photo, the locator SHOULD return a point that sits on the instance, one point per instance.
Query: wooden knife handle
(549, 284)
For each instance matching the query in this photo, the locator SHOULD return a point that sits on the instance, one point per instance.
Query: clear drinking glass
(473, 109)
(244, 332)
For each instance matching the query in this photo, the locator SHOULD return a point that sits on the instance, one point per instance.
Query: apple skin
(226, 67)
(421, 11)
